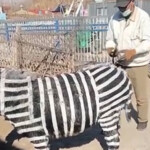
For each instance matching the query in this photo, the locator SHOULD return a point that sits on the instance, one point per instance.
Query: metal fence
(90, 33)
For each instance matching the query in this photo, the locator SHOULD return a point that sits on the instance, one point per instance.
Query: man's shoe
(141, 126)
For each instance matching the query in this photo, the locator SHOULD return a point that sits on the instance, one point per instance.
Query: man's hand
(129, 54)
(112, 52)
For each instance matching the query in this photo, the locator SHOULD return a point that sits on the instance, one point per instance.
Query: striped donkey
(66, 104)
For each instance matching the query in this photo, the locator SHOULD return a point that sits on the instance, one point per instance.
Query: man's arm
(145, 36)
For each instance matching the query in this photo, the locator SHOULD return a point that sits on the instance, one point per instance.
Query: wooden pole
(17, 49)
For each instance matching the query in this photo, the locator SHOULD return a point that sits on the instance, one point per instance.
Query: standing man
(128, 38)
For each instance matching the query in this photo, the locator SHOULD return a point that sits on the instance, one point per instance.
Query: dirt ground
(131, 139)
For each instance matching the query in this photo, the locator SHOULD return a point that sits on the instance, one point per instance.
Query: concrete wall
(146, 6)
(111, 9)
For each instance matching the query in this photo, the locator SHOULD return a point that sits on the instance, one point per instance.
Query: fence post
(17, 49)
(7, 32)
(56, 25)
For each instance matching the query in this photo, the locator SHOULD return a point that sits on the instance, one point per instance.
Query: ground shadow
(81, 139)
(10, 139)
(90, 134)
(134, 114)
(4, 146)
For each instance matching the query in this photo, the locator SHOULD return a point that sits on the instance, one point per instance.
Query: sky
(13, 1)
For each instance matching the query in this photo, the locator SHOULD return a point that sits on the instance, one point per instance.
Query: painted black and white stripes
(67, 104)
(114, 92)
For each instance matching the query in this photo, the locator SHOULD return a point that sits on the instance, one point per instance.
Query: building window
(101, 11)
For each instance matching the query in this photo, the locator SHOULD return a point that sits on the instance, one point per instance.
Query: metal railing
(90, 33)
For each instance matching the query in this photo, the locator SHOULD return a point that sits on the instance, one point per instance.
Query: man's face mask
(126, 13)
